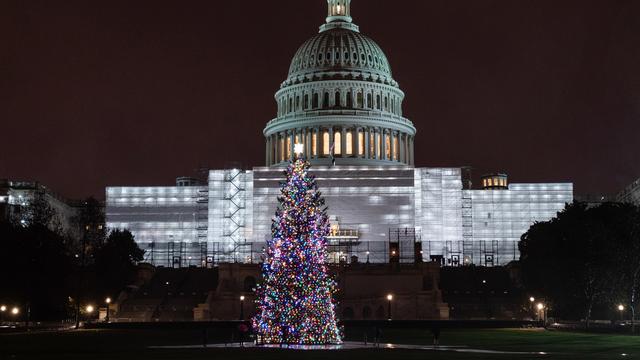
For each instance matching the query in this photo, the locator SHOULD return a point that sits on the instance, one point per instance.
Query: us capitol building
(341, 102)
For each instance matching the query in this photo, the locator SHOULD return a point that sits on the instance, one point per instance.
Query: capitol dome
(340, 101)
(340, 54)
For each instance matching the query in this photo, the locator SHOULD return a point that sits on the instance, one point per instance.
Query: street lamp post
(3, 309)
(532, 300)
(15, 312)
(542, 313)
(389, 298)
(242, 307)
(621, 309)
(89, 310)
(108, 302)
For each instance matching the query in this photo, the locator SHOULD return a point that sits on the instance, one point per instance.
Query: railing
(344, 234)
(321, 113)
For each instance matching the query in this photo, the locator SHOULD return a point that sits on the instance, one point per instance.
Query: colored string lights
(295, 298)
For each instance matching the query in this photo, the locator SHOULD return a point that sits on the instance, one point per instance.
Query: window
(349, 143)
(369, 99)
(360, 100)
(288, 147)
(305, 105)
(379, 145)
(366, 313)
(372, 144)
(281, 149)
(378, 102)
(396, 147)
(337, 100)
(316, 99)
(360, 143)
(337, 141)
(326, 146)
(314, 144)
(325, 101)
(249, 284)
(387, 146)
(349, 100)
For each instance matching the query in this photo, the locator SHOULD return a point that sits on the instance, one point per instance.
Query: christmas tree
(295, 297)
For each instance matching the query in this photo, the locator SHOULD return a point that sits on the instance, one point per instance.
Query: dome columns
(374, 145)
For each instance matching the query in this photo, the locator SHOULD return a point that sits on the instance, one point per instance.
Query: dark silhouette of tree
(629, 259)
(90, 222)
(575, 261)
(35, 268)
(39, 211)
(116, 261)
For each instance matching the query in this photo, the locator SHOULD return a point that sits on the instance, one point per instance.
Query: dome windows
(314, 144)
(349, 143)
(326, 147)
(337, 143)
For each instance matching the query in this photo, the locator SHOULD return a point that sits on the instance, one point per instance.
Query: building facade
(342, 104)
(630, 194)
(17, 197)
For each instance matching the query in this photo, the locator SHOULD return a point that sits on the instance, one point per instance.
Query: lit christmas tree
(295, 297)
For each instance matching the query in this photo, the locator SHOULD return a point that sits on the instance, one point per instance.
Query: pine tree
(295, 297)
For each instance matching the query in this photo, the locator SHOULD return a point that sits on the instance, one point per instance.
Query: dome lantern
(339, 16)
(339, 10)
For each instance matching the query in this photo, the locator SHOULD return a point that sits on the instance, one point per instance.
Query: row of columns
(365, 143)
(347, 98)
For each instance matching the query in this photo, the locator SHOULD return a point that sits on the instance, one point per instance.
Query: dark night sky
(96, 93)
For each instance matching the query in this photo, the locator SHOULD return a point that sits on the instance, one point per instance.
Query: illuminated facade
(17, 196)
(630, 194)
(341, 103)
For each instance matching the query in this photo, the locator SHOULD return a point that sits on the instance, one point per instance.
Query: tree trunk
(588, 317)
(633, 319)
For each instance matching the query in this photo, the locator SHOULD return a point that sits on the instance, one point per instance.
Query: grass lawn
(133, 344)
